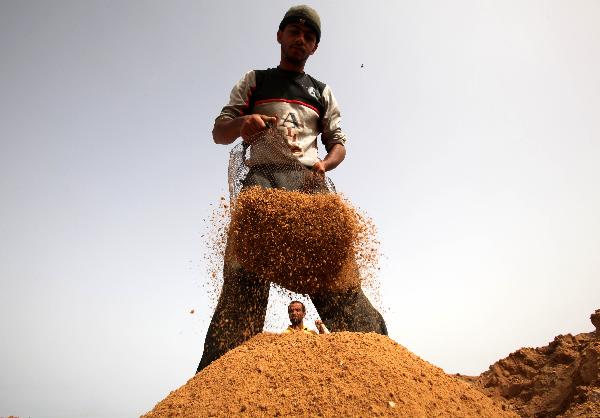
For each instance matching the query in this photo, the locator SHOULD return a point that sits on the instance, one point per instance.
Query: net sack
(270, 163)
(287, 224)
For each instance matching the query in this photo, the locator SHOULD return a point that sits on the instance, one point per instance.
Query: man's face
(296, 313)
(298, 42)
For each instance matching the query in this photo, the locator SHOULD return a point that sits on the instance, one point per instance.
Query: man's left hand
(319, 168)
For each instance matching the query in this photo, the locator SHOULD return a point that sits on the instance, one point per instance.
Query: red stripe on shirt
(288, 101)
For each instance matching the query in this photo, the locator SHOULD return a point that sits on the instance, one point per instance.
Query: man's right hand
(321, 327)
(253, 124)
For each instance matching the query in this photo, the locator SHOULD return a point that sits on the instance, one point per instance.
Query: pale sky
(474, 141)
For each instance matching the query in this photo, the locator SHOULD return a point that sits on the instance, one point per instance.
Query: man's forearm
(334, 157)
(226, 131)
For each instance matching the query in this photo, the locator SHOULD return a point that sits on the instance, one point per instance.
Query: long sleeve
(239, 98)
(332, 131)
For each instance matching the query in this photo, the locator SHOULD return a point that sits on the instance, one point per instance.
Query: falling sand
(302, 241)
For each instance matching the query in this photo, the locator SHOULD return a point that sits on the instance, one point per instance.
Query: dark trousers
(242, 306)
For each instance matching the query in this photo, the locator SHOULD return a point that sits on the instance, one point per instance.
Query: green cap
(305, 15)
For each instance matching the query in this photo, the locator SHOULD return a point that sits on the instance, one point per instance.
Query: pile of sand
(301, 241)
(560, 379)
(340, 374)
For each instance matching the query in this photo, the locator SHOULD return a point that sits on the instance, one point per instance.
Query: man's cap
(305, 15)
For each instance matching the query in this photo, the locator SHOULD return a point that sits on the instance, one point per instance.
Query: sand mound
(560, 379)
(301, 241)
(340, 374)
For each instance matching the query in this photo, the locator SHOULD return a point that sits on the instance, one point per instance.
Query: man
(301, 107)
(296, 313)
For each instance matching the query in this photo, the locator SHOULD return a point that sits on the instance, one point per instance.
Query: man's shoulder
(311, 331)
(266, 71)
(319, 84)
(269, 73)
(305, 329)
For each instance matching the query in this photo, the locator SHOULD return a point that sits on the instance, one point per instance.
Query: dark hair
(297, 301)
